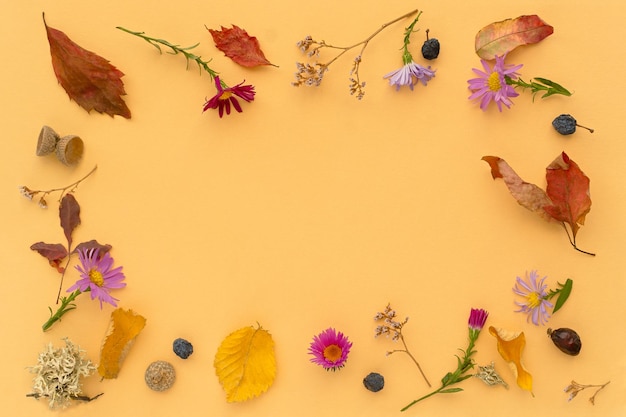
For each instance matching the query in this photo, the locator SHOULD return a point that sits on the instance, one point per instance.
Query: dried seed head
(70, 149)
(47, 141)
(160, 375)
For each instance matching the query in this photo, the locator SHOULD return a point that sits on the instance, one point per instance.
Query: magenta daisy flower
(476, 321)
(491, 84)
(330, 349)
(98, 276)
(533, 292)
(225, 96)
(410, 74)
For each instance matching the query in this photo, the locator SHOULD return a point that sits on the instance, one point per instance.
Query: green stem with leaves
(67, 304)
(406, 55)
(539, 84)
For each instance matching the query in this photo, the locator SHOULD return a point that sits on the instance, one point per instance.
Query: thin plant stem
(67, 264)
(70, 187)
(406, 349)
(572, 241)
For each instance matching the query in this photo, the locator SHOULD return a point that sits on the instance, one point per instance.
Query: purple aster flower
(491, 84)
(98, 276)
(225, 96)
(330, 349)
(534, 294)
(476, 321)
(410, 74)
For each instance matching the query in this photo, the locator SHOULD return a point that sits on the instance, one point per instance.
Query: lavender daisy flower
(330, 349)
(535, 303)
(227, 95)
(491, 84)
(410, 74)
(98, 276)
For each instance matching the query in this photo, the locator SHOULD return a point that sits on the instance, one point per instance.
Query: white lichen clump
(58, 374)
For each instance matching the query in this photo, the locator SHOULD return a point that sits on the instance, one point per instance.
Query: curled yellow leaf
(245, 363)
(510, 347)
(124, 327)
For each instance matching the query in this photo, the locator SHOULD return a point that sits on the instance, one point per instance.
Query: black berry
(374, 382)
(565, 124)
(430, 49)
(567, 340)
(182, 348)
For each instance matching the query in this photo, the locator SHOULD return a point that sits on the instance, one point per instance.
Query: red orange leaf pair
(498, 38)
(566, 199)
(89, 80)
(239, 46)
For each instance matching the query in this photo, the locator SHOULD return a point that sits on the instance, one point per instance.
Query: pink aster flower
(410, 74)
(227, 95)
(330, 349)
(535, 303)
(98, 276)
(491, 84)
(476, 321)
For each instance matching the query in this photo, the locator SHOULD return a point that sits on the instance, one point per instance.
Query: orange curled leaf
(498, 38)
(510, 347)
(124, 327)
(239, 46)
(568, 188)
(89, 80)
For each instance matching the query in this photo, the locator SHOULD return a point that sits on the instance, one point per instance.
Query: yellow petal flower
(510, 347)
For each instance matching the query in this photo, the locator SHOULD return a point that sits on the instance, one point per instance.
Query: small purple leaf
(69, 212)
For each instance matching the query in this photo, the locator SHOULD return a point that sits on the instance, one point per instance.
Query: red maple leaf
(239, 46)
(88, 79)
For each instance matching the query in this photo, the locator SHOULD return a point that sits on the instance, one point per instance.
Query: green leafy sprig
(67, 304)
(408, 31)
(539, 84)
(563, 291)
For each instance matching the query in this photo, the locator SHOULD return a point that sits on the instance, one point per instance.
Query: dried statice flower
(59, 372)
(312, 75)
(574, 388)
(392, 327)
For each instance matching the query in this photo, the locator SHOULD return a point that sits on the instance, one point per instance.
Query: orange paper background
(311, 209)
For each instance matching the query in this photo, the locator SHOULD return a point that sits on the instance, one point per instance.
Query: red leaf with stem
(239, 46)
(69, 213)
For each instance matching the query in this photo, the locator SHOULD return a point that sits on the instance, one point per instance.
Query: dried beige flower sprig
(574, 388)
(392, 327)
(30, 194)
(59, 372)
(312, 74)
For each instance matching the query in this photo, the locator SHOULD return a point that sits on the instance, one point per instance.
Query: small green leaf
(450, 390)
(564, 293)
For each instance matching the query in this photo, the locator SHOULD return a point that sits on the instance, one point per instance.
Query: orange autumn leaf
(239, 46)
(124, 327)
(510, 347)
(89, 80)
(498, 38)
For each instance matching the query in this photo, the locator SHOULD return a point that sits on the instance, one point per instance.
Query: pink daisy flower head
(491, 84)
(227, 95)
(476, 321)
(330, 349)
(410, 74)
(98, 275)
(534, 303)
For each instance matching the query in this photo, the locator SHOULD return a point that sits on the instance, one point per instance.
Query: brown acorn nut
(70, 149)
(160, 375)
(47, 141)
(567, 340)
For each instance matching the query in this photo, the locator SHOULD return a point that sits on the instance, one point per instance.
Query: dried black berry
(430, 49)
(374, 382)
(565, 124)
(567, 340)
(182, 348)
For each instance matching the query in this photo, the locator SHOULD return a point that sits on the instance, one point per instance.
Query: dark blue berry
(182, 348)
(374, 382)
(565, 124)
(430, 48)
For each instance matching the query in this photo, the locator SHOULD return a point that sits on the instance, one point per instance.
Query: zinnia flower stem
(66, 305)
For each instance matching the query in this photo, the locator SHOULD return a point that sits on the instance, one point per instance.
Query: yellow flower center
(226, 95)
(494, 82)
(534, 300)
(96, 277)
(332, 353)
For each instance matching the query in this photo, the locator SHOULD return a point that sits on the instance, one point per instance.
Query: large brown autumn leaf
(88, 79)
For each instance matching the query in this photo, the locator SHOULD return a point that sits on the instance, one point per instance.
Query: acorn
(160, 376)
(567, 340)
(47, 141)
(69, 149)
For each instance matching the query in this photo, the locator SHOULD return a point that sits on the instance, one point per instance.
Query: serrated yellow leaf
(124, 327)
(245, 363)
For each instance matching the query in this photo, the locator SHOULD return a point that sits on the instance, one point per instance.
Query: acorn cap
(47, 141)
(160, 375)
(69, 149)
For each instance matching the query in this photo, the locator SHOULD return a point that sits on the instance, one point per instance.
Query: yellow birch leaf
(510, 347)
(245, 363)
(124, 327)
